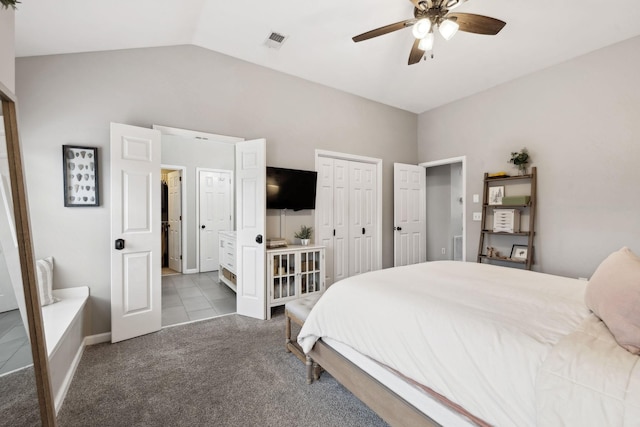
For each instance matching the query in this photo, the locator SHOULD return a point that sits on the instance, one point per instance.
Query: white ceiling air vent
(275, 40)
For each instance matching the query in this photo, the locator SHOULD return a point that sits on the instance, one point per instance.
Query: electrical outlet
(444, 251)
(477, 216)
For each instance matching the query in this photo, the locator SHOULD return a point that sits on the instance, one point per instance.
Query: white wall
(71, 99)
(7, 49)
(580, 122)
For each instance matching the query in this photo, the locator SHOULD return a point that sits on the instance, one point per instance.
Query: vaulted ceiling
(318, 47)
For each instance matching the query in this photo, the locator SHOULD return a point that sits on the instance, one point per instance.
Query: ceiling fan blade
(416, 53)
(417, 4)
(384, 30)
(478, 24)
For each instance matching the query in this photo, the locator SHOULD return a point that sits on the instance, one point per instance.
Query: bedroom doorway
(446, 209)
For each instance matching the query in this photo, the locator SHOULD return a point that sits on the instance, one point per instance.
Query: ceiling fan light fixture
(426, 43)
(421, 28)
(448, 28)
(452, 4)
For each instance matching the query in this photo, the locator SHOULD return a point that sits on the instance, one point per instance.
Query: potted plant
(520, 160)
(6, 3)
(304, 235)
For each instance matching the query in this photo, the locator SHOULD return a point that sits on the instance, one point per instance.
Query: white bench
(297, 312)
(64, 334)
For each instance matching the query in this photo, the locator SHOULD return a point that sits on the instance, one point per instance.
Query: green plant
(304, 233)
(520, 159)
(7, 3)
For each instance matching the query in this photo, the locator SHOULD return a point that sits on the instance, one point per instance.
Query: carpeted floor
(228, 371)
(18, 399)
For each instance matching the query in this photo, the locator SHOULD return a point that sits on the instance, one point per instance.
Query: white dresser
(227, 271)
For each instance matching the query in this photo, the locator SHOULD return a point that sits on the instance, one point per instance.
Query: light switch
(477, 216)
(476, 198)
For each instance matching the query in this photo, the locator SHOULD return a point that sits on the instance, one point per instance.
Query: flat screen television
(291, 189)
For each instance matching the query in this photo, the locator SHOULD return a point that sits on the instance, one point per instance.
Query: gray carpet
(228, 371)
(18, 399)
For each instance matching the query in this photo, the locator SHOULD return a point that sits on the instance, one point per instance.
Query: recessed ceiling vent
(275, 40)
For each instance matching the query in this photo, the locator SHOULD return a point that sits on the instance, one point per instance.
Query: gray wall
(438, 212)
(71, 99)
(580, 122)
(7, 49)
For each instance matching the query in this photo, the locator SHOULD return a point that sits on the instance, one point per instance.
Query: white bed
(506, 345)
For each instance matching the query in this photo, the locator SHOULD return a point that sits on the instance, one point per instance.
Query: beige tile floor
(189, 297)
(15, 351)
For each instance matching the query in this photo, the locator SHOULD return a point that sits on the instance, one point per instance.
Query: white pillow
(44, 270)
(613, 294)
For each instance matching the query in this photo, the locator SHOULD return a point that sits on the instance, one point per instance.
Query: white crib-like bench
(64, 324)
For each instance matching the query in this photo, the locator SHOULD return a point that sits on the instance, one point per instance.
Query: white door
(409, 214)
(362, 211)
(215, 201)
(324, 215)
(135, 232)
(175, 220)
(341, 219)
(250, 205)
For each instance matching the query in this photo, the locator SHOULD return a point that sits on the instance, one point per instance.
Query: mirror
(26, 397)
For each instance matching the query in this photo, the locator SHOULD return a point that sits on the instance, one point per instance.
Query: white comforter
(475, 333)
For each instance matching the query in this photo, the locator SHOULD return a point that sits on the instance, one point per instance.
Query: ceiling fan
(430, 14)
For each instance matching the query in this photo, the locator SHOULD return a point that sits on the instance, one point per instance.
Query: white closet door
(341, 219)
(362, 217)
(175, 220)
(324, 214)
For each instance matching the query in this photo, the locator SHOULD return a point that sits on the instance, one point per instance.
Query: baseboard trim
(191, 271)
(97, 339)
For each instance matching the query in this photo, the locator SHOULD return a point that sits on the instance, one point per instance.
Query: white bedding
(475, 333)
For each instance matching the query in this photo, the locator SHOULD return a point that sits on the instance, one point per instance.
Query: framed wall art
(496, 194)
(80, 169)
(519, 252)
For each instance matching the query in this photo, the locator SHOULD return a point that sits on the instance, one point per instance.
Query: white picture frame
(496, 193)
(519, 252)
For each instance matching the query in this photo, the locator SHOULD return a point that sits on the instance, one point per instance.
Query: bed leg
(287, 331)
(309, 370)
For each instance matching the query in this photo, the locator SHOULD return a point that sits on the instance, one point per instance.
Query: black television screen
(291, 189)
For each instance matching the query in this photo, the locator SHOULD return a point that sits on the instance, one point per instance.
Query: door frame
(362, 159)
(450, 161)
(183, 211)
(233, 201)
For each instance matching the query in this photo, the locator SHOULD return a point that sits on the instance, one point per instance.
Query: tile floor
(188, 297)
(15, 351)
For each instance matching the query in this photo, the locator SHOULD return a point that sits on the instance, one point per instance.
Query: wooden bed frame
(388, 405)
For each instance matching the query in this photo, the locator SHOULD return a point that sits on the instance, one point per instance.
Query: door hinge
(334, 232)
(180, 217)
(180, 256)
(180, 178)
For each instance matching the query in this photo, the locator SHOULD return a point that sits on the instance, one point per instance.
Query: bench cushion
(301, 308)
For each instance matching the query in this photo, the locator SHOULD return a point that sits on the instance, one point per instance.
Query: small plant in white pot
(304, 235)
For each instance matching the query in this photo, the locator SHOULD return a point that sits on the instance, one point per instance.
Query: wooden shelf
(509, 178)
(521, 233)
(516, 261)
(487, 235)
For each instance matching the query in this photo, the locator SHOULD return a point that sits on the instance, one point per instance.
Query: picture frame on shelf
(81, 179)
(519, 252)
(496, 193)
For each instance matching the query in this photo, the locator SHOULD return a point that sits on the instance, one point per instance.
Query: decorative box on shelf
(506, 220)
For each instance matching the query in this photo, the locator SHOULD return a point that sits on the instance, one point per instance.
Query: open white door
(215, 213)
(409, 214)
(135, 232)
(250, 205)
(175, 220)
